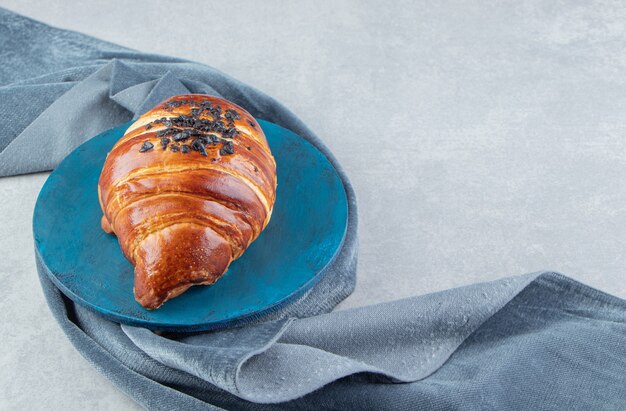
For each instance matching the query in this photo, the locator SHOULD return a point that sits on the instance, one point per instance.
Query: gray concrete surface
(484, 139)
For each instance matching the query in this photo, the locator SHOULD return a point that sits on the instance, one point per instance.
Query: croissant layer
(186, 190)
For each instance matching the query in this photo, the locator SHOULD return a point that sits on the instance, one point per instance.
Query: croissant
(186, 190)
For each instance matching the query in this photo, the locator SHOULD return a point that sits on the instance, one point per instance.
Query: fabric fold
(214, 357)
(71, 118)
(309, 353)
(166, 86)
(122, 78)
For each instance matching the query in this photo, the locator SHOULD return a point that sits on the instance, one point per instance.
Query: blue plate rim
(192, 327)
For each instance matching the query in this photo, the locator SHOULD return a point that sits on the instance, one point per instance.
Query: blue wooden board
(304, 235)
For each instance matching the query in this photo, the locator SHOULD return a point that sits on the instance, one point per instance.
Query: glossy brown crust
(181, 219)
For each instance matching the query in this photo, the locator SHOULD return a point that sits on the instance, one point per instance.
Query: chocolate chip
(232, 114)
(216, 112)
(251, 124)
(212, 138)
(230, 133)
(185, 149)
(218, 125)
(166, 132)
(227, 148)
(164, 142)
(146, 146)
(148, 126)
(182, 136)
(178, 103)
(174, 148)
(197, 145)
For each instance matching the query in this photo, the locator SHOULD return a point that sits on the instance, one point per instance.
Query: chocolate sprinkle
(204, 132)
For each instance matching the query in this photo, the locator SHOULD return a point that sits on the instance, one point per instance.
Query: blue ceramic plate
(305, 233)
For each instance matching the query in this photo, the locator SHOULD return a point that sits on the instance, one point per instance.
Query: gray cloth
(539, 341)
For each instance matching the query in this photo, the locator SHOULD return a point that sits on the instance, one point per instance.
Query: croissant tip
(148, 300)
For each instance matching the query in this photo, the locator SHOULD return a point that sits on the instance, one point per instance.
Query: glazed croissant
(186, 190)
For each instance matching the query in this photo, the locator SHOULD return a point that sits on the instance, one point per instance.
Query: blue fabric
(538, 341)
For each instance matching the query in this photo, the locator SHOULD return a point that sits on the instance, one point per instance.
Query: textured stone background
(484, 139)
